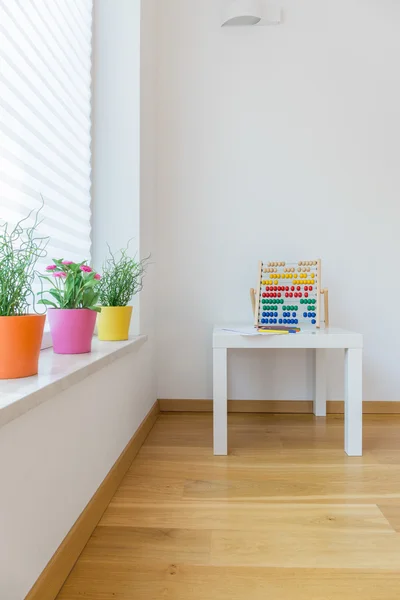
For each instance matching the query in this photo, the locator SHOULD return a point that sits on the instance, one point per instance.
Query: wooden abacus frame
(255, 294)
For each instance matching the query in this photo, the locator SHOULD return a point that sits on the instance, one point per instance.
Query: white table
(318, 340)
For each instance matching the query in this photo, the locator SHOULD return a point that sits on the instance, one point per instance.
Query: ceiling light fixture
(250, 12)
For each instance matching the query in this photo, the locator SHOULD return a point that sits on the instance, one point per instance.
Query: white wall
(277, 143)
(51, 463)
(124, 130)
(148, 162)
(116, 130)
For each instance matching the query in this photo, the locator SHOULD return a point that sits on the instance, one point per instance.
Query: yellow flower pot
(113, 323)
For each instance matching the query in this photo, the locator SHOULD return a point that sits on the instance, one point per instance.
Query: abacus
(288, 294)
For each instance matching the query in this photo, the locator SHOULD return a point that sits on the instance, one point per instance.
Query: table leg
(319, 404)
(353, 402)
(220, 406)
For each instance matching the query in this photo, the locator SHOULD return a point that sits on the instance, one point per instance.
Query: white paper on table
(250, 331)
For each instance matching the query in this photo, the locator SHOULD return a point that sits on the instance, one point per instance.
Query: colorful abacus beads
(281, 285)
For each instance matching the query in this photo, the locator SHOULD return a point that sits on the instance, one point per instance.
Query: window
(45, 104)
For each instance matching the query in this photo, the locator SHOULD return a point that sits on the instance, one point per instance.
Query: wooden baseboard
(334, 407)
(58, 568)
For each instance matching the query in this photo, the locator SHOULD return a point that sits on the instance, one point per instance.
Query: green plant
(122, 278)
(73, 285)
(20, 248)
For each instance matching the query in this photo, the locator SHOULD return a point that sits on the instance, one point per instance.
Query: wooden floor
(286, 516)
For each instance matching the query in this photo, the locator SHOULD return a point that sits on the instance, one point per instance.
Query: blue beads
(284, 321)
(293, 314)
(313, 315)
(264, 314)
(275, 315)
(314, 322)
(280, 321)
(309, 315)
(263, 321)
(296, 321)
(305, 315)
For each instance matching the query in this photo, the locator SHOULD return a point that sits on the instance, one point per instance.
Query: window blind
(45, 120)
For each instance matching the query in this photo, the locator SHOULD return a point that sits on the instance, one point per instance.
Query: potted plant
(20, 332)
(73, 306)
(122, 278)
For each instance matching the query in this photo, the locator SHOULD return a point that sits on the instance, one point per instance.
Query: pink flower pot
(72, 329)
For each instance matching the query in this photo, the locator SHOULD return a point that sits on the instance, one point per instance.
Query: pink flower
(86, 269)
(59, 275)
(97, 276)
(51, 268)
(67, 262)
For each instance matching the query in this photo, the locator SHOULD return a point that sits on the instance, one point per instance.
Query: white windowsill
(56, 373)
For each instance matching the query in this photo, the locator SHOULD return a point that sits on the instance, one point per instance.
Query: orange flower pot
(20, 342)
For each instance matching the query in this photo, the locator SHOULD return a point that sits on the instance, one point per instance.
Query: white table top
(331, 337)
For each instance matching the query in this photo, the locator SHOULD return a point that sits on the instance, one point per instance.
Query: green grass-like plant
(20, 248)
(122, 278)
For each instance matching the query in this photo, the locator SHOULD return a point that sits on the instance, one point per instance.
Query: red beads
(306, 294)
